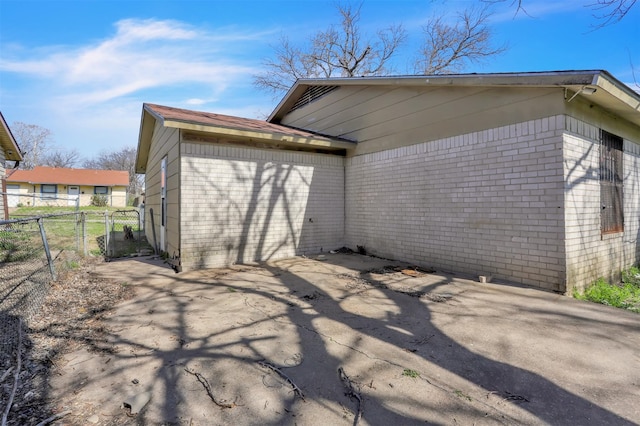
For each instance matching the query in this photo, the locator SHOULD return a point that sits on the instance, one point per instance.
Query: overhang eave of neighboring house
(8, 142)
(227, 128)
(598, 86)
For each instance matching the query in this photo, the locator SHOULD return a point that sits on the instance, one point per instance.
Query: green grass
(42, 210)
(18, 245)
(410, 373)
(625, 295)
(461, 394)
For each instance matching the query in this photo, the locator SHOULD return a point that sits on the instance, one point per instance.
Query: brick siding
(590, 254)
(243, 204)
(484, 203)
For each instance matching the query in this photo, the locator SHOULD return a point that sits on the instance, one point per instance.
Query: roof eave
(267, 137)
(8, 142)
(147, 124)
(573, 80)
(623, 93)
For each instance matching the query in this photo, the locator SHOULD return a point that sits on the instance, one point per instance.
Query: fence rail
(51, 202)
(37, 250)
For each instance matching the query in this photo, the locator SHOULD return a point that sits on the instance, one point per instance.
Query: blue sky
(83, 68)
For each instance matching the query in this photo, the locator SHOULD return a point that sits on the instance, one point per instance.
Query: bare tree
(123, 159)
(611, 11)
(343, 51)
(61, 158)
(448, 48)
(34, 141)
(607, 11)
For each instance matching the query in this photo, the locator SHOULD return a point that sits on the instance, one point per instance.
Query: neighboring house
(527, 177)
(57, 186)
(9, 151)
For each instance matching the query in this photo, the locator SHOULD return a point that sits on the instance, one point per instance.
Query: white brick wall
(484, 203)
(245, 204)
(591, 255)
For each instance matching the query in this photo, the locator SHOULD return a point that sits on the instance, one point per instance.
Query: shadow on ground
(420, 348)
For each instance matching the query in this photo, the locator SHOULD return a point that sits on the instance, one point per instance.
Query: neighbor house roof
(64, 176)
(609, 92)
(228, 127)
(8, 142)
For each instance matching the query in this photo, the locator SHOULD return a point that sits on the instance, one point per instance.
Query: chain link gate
(124, 234)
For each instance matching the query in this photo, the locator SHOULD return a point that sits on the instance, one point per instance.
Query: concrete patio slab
(431, 348)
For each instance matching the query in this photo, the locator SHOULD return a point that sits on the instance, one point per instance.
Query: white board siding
(165, 141)
(484, 203)
(590, 254)
(382, 118)
(244, 204)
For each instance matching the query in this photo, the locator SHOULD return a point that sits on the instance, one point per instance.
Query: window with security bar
(611, 197)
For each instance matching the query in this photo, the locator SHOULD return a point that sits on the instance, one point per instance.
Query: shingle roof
(229, 128)
(226, 121)
(63, 176)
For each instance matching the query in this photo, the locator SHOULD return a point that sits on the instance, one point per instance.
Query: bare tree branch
(448, 48)
(342, 51)
(123, 159)
(61, 158)
(611, 11)
(34, 141)
(607, 11)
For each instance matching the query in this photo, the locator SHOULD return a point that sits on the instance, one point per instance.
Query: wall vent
(311, 94)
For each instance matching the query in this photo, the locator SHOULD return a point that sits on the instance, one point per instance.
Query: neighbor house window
(48, 192)
(102, 190)
(611, 213)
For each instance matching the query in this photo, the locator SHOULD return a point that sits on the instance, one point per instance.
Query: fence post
(83, 218)
(77, 230)
(106, 233)
(46, 248)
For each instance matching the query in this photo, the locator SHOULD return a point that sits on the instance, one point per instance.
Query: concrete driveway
(415, 347)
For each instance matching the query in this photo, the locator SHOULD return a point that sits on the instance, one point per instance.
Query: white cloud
(91, 95)
(142, 54)
(195, 101)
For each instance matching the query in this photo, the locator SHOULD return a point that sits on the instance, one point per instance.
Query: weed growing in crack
(410, 373)
(461, 394)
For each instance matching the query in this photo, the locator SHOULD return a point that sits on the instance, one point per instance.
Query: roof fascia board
(9, 144)
(622, 92)
(147, 124)
(574, 80)
(260, 136)
(552, 78)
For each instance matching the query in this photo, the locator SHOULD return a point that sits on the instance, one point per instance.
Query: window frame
(611, 177)
(106, 190)
(48, 195)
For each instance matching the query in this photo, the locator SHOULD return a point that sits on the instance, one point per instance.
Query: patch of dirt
(72, 316)
(410, 270)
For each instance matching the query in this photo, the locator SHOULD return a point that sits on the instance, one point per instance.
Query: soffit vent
(311, 94)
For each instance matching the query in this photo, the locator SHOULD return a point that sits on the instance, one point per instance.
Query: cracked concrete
(422, 348)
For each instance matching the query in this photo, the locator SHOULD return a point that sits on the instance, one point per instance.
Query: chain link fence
(35, 251)
(35, 204)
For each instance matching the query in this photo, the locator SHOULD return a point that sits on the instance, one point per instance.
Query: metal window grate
(311, 94)
(611, 196)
